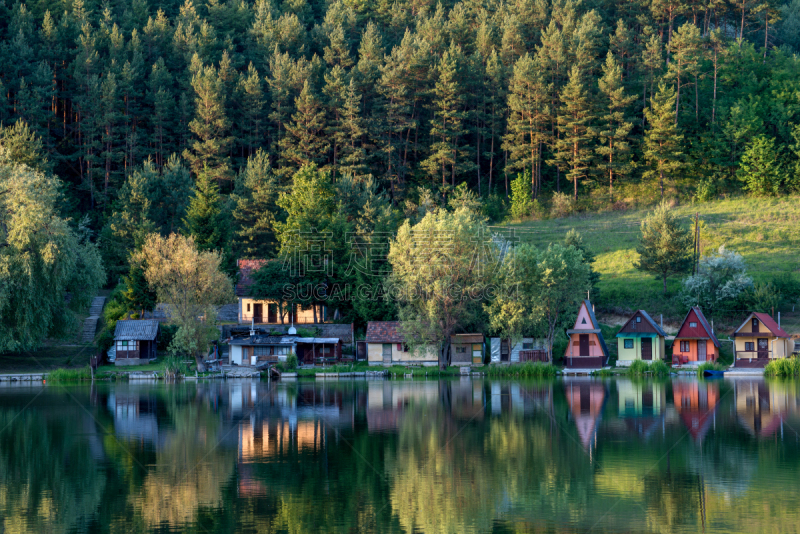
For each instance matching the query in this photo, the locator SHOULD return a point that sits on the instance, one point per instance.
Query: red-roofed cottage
(695, 342)
(265, 311)
(386, 346)
(759, 340)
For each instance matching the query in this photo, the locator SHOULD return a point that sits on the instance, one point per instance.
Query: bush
(783, 367)
(638, 367)
(561, 205)
(527, 369)
(291, 361)
(659, 368)
(706, 190)
(521, 203)
(494, 207)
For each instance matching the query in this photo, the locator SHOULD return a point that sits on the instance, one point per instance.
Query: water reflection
(458, 456)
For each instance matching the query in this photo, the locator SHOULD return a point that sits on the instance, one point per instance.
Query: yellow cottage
(758, 340)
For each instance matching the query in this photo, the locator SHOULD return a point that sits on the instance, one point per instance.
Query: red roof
(246, 270)
(384, 332)
(701, 331)
(767, 321)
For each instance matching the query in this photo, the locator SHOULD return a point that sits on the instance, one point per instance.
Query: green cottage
(640, 339)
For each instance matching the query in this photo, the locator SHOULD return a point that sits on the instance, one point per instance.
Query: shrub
(561, 205)
(659, 368)
(656, 368)
(783, 367)
(706, 190)
(638, 367)
(521, 203)
(291, 361)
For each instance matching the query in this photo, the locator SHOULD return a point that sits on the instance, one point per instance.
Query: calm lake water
(465, 455)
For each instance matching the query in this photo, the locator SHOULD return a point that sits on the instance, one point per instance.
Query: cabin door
(701, 350)
(763, 347)
(505, 350)
(272, 313)
(387, 353)
(258, 313)
(584, 345)
(647, 348)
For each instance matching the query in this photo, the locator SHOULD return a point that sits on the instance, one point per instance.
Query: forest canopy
(196, 116)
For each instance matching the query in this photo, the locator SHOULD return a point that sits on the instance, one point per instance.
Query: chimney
(662, 321)
(779, 319)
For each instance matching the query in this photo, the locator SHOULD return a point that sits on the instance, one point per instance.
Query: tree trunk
(665, 284)
(444, 355)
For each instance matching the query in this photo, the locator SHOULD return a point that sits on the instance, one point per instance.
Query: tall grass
(70, 375)
(784, 367)
(710, 366)
(640, 367)
(527, 369)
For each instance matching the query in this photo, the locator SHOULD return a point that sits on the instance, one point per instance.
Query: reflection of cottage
(135, 341)
(695, 342)
(587, 348)
(466, 349)
(640, 339)
(528, 349)
(762, 408)
(265, 311)
(640, 399)
(256, 349)
(696, 402)
(760, 339)
(387, 345)
(585, 397)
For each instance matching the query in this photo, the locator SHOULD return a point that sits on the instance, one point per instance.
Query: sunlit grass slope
(765, 231)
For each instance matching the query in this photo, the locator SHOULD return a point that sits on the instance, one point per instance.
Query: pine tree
(255, 209)
(138, 294)
(209, 153)
(665, 248)
(251, 93)
(662, 140)
(684, 61)
(205, 220)
(761, 167)
(305, 142)
(528, 120)
(615, 128)
(574, 147)
(448, 153)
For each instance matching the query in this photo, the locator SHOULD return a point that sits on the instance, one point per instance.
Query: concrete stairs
(90, 323)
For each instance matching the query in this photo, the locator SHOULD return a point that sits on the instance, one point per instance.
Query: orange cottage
(587, 348)
(695, 342)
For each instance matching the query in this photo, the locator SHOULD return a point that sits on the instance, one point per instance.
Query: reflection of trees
(190, 466)
(49, 481)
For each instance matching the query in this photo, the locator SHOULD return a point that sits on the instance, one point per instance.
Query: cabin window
(527, 346)
(405, 347)
(749, 346)
(638, 319)
(127, 345)
(692, 325)
(248, 306)
(583, 321)
(684, 346)
(628, 343)
(755, 323)
(461, 350)
(260, 351)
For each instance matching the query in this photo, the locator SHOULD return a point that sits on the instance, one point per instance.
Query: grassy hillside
(765, 231)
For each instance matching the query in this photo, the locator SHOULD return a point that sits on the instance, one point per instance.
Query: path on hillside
(90, 323)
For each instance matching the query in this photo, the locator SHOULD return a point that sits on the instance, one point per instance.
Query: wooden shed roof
(136, 330)
(384, 332)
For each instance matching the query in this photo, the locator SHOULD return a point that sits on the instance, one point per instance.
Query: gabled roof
(136, 330)
(703, 324)
(246, 270)
(767, 321)
(659, 330)
(384, 332)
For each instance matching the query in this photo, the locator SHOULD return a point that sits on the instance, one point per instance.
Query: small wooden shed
(695, 342)
(135, 341)
(466, 349)
(386, 345)
(587, 349)
(760, 339)
(640, 339)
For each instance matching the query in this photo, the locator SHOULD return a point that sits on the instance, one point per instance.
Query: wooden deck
(754, 363)
(583, 362)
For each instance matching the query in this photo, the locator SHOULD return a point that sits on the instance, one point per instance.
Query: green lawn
(47, 358)
(765, 231)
